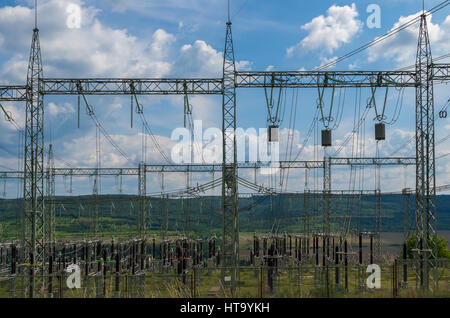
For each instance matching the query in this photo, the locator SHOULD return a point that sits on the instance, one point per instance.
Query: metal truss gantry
(37, 87)
(203, 168)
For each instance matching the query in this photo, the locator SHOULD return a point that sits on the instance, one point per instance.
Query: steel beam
(441, 72)
(130, 86)
(313, 79)
(14, 93)
(155, 168)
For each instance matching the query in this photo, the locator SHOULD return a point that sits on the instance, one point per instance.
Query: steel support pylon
(230, 238)
(50, 206)
(142, 192)
(33, 234)
(425, 158)
(326, 195)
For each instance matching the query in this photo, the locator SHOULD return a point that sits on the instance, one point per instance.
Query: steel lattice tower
(33, 203)
(425, 155)
(230, 239)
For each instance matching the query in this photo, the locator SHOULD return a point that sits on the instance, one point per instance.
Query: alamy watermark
(205, 147)
(74, 279)
(374, 19)
(73, 20)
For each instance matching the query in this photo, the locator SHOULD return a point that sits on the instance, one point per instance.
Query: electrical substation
(317, 242)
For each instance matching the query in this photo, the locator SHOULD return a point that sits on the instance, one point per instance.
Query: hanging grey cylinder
(380, 131)
(273, 133)
(326, 138)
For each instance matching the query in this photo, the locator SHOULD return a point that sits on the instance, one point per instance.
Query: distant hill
(117, 214)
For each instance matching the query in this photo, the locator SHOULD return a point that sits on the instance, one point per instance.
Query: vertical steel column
(95, 189)
(378, 220)
(326, 194)
(230, 239)
(142, 192)
(425, 154)
(33, 233)
(50, 206)
(406, 213)
(306, 212)
(187, 208)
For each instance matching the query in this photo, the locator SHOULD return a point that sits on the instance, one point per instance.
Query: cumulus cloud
(91, 50)
(55, 110)
(201, 59)
(402, 46)
(97, 50)
(329, 32)
(82, 150)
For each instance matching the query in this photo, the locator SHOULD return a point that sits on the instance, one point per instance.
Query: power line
(383, 37)
(10, 119)
(414, 137)
(103, 130)
(434, 60)
(148, 129)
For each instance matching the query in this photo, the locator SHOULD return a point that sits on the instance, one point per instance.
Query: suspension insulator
(326, 138)
(380, 132)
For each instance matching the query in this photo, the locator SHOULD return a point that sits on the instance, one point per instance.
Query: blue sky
(176, 38)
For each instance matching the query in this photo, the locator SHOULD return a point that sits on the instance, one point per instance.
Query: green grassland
(117, 215)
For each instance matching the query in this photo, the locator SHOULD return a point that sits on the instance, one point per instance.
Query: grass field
(305, 281)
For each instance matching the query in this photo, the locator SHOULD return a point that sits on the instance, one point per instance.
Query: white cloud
(92, 50)
(402, 46)
(201, 59)
(326, 60)
(161, 41)
(353, 66)
(55, 110)
(330, 32)
(82, 150)
(97, 50)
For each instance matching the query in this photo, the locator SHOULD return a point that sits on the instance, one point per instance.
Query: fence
(302, 280)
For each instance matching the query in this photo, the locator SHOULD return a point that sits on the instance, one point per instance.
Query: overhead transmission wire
(353, 170)
(435, 59)
(383, 37)
(90, 112)
(436, 117)
(354, 131)
(291, 135)
(10, 119)
(372, 103)
(364, 47)
(377, 40)
(190, 119)
(110, 140)
(140, 111)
